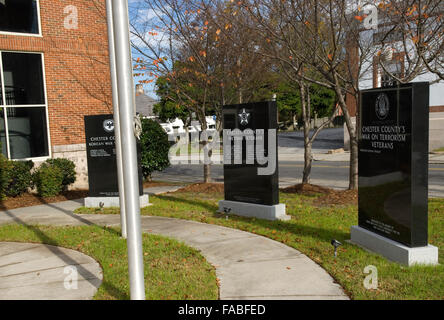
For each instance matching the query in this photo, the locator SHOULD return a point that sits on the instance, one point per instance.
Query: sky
(145, 16)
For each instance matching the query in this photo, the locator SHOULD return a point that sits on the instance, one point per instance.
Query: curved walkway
(248, 266)
(37, 271)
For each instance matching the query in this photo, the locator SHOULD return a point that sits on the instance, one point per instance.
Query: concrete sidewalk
(36, 271)
(436, 158)
(152, 191)
(248, 266)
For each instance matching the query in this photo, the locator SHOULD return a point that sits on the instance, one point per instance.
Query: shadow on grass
(203, 204)
(45, 239)
(322, 234)
(296, 229)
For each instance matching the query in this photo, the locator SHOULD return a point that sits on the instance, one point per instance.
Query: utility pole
(126, 104)
(118, 144)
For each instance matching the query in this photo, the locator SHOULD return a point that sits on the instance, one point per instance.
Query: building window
(23, 114)
(19, 16)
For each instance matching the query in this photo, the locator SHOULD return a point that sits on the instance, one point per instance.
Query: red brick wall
(76, 65)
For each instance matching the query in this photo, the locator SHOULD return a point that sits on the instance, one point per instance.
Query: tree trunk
(353, 173)
(353, 185)
(207, 173)
(308, 157)
(206, 167)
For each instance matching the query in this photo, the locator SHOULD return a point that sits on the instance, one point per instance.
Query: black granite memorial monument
(101, 157)
(393, 162)
(241, 180)
(251, 161)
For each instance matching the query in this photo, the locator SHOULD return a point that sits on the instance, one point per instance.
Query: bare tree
(168, 32)
(410, 35)
(186, 42)
(322, 36)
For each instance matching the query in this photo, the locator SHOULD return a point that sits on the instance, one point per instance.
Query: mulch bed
(327, 196)
(30, 199)
(203, 188)
(151, 184)
(306, 189)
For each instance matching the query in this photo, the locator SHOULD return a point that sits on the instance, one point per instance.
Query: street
(332, 174)
(325, 173)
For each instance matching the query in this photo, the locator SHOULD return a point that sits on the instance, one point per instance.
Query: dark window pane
(3, 132)
(19, 16)
(27, 132)
(23, 78)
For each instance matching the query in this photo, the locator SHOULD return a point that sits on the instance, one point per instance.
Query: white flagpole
(118, 145)
(126, 103)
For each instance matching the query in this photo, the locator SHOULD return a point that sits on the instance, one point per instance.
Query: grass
(310, 231)
(194, 148)
(172, 269)
(439, 150)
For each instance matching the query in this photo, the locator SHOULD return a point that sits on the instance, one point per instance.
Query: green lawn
(439, 150)
(198, 148)
(172, 269)
(310, 231)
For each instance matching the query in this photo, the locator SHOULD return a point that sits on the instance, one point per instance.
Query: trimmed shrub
(154, 148)
(68, 169)
(48, 180)
(20, 178)
(5, 170)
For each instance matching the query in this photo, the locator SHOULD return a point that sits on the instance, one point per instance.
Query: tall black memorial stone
(247, 191)
(242, 182)
(101, 157)
(393, 169)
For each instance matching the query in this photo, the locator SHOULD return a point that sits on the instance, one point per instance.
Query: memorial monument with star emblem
(102, 163)
(393, 174)
(251, 161)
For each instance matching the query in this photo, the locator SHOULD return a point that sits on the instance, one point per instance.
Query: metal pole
(112, 63)
(129, 152)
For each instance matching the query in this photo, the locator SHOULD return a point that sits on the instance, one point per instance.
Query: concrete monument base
(393, 250)
(96, 202)
(275, 212)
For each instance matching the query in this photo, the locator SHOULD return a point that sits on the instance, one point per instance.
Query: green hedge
(15, 177)
(68, 169)
(48, 180)
(154, 148)
(20, 178)
(52, 177)
(5, 169)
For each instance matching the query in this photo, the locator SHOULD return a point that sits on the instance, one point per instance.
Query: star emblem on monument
(244, 117)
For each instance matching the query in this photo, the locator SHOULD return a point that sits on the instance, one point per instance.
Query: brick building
(54, 70)
(373, 76)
